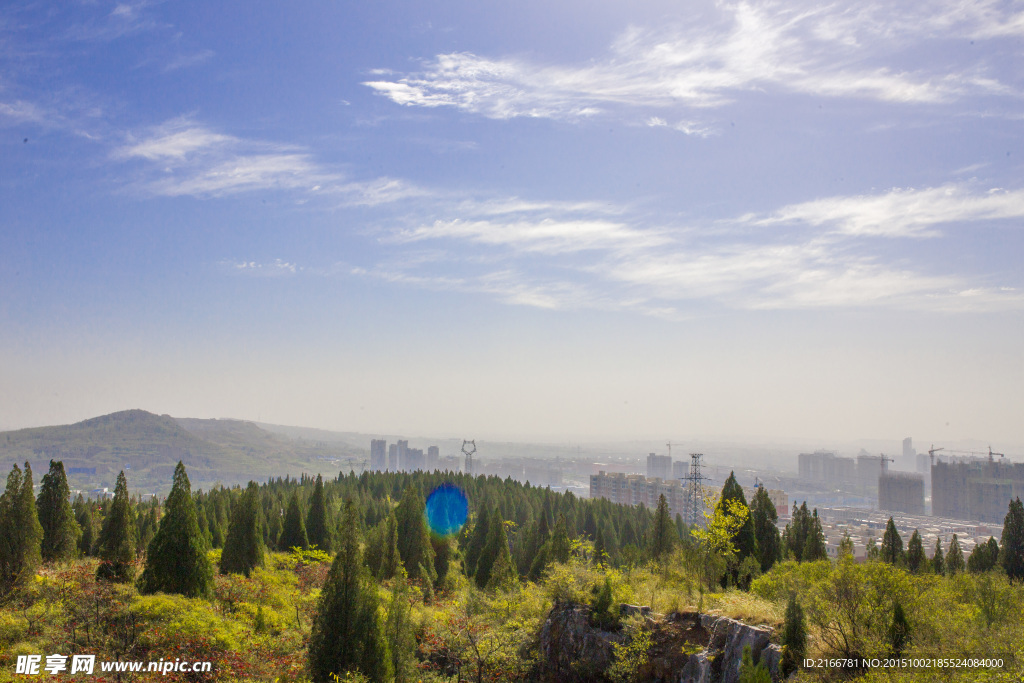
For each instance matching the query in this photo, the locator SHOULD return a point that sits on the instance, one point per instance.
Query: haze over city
(747, 222)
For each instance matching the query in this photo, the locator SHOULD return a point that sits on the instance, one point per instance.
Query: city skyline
(746, 222)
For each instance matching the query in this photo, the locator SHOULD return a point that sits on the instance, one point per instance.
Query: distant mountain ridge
(148, 446)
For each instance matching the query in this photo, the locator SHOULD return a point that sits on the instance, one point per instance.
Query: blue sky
(738, 219)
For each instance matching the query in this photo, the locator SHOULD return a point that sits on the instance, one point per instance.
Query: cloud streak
(826, 51)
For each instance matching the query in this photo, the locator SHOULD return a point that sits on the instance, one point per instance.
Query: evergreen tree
(846, 546)
(794, 637)
(749, 673)
(1011, 553)
(293, 529)
(681, 528)
(116, 546)
(88, 525)
(938, 561)
(477, 540)
(391, 561)
(590, 523)
(444, 555)
(176, 561)
(892, 545)
(414, 538)
(814, 547)
(871, 550)
(503, 575)
(243, 548)
(399, 630)
(664, 531)
(916, 560)
(60, 530)
(318, 528)
(203, 522)
(600, 549)
(603, 614)
(899, 632)
(766, 530)
(954, 558)
(561, 546)
(797, 530)
(744, 540)
(348, 633)
(495, 539)
(22, 535)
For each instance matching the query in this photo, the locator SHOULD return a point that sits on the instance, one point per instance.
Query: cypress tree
(348, 633)
(88, 524)
(600, 551)
(845, 546)
(176, 560)
(899, 632)
(814, 546)
(560, 544)
(399, 630)
(477, 540)
(444, 553)
(391, 561)
(414, 538)
(116, 546)
(603, 615)
(892, 544)
(204, 525)
(243, 547)
(794, 637)
(766, 530)
(744, 539)
(590, 523)
(916, 560)
(796, 532)
(1011, 553)
(938, 561)
(318, 529)
(491, 548)
(954, 558)
(22, 535)
(60, 530)
(293, 529)
(503, 575)
(665, 532)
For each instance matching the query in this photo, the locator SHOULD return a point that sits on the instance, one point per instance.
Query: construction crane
(883, 458)
(990, 454)
(931, 453)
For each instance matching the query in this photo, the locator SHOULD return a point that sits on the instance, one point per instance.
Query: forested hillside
(308, 579)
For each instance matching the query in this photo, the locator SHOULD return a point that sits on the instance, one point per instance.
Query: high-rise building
(908, 448)
(403, 446)
(975, 489)
(378, 455)
(414, 460)
(659, 466)
(680, 468)
(825, 466)
(433, 458)
(901, 492)
(393, 457)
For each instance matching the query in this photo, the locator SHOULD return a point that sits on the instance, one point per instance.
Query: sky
(751, 220)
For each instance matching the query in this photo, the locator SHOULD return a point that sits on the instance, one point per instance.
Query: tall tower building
(433, 458)
(378, 455)
(659, 466)
(393, 457)
(403, 447)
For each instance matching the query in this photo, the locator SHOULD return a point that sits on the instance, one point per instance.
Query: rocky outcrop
(686, 647)
(571, 650)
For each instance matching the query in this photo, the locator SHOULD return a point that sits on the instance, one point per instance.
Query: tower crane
(931, 453)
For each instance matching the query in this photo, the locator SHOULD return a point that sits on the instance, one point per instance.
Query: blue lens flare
(447, 510)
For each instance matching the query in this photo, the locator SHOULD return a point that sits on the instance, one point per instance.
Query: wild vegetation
(319, 580)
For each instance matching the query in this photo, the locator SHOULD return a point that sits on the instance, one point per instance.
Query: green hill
(148, 446)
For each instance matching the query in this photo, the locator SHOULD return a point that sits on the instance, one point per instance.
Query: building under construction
(976, 489)
(901, 492)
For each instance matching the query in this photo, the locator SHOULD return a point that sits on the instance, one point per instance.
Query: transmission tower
(696, 488)
(468, 449)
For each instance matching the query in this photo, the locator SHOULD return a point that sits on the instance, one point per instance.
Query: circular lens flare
(447, 510)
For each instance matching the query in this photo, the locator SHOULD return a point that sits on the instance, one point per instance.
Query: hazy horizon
(746, 222)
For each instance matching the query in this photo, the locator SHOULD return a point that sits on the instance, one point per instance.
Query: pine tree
(892, 545)
(477, 540)
(744, 540)
(845, 546)
(1011, 552)
(318, 529)
(590, 523)
(444, 554)
(22, 535)
(796, 532)
(116, 546)
(243, 548)
(871, 551)
(348, 633)
(414, 538)
(176, 560)
(751, 673)
(938, 561)
(766, 530)
(954, 558)
(603, 614)
(391, 561)
(664, 531)
(60, 530)
(814, 547)
(916, 560)
(600, 549)
(794, 637)
(503, 574)
(399, 630)
(88, 525)
(293, 529)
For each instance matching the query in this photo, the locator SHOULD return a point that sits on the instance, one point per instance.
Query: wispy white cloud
(184, 61)
(185, 158)
(902, 212)
(275, 268)
(825, 50)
